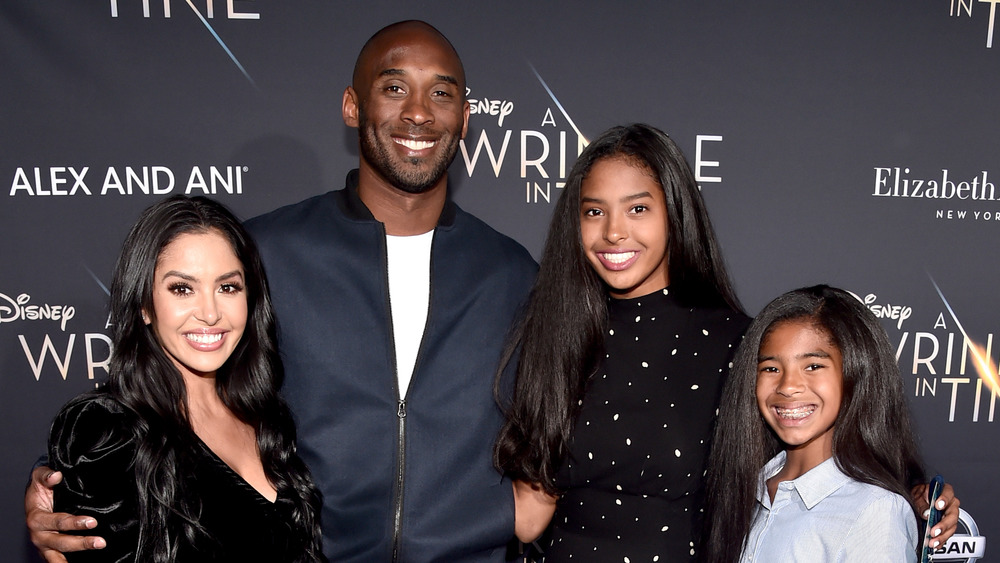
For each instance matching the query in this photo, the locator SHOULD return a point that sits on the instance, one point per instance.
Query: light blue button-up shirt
(826, 516)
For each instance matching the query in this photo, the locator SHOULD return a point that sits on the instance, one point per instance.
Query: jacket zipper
(397, 499)
(397, 525)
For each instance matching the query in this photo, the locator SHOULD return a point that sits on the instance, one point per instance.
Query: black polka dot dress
(633, 479)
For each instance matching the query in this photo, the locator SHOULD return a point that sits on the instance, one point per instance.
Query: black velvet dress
(92, 443)
(633, 481)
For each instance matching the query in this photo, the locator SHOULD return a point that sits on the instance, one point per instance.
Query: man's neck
(402, 213)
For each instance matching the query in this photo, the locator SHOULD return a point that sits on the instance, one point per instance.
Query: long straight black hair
(144, 379)
(872, 438)
(558, 340)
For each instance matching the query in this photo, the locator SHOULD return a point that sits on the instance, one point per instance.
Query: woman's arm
(533, 510)
(91, 443)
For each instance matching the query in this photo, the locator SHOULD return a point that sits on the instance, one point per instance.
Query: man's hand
(947, 503)
(533, 510)
(46, 527)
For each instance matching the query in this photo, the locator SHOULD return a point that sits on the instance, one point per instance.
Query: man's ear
(465, 122)
(350, 107)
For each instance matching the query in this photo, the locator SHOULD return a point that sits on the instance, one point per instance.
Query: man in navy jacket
(392, 306)
(405, 468)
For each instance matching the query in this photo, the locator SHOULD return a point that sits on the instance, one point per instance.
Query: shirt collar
(814, 486)
(354, 208)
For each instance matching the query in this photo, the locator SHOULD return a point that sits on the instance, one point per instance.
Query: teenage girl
(623, 349)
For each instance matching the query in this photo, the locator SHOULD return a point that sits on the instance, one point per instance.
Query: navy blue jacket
(403, 478)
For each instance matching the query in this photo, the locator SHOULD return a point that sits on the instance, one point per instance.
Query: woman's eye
(231, 288)
(179, 288)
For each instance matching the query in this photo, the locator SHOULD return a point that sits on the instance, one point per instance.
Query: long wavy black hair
(144, 379)
(872, 438)
(559, 338)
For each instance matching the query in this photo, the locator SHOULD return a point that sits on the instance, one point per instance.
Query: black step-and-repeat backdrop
(856, 144)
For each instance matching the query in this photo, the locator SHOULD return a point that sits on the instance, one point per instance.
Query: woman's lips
(206, 341)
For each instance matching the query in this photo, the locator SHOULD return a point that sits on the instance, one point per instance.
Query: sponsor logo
(966, 545)
(49, 350)
(233, 9)
(963, 9)
(946, 362)
(544, 152)
(21, 309)
(896, 182)
(204, 10)
(486, 106)
(125, 181)
(945, 187)
(546, 142)
(897, 312)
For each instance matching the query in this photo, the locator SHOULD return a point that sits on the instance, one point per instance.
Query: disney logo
(486, 106)
(18, 309)
(898, 312)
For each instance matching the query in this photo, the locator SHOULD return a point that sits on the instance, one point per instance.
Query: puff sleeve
(92, 442)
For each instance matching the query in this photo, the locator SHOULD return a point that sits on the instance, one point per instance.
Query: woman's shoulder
(90, 427)
(94, 408)
(727, 324)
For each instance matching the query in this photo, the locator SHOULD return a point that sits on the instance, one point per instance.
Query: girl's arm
(533, 510)
(949, 517)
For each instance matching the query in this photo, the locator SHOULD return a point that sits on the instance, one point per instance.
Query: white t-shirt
(409, 296)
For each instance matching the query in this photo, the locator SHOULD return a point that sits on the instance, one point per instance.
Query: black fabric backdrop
(847, 143)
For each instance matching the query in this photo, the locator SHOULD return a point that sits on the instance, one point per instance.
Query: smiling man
(393, 305)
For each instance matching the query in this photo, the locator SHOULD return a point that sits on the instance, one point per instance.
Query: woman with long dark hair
(813, 454)
(620, 356)
(188, 453)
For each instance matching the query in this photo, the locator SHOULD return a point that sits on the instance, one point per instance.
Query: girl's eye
(812, 367)
(592, 212)
(768, 369)
(639, 208)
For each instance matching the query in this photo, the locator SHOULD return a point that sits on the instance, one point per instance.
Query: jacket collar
(355, 209)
